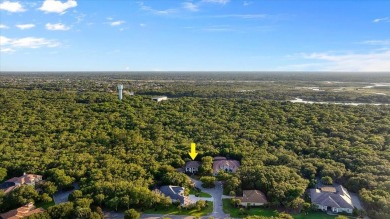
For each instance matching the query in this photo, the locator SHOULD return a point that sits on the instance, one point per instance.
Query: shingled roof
(21, 212)
(192, 164)
(253, 196)
(175, 193)
(338, 199)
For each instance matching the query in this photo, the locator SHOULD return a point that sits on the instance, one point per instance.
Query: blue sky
(195, 35)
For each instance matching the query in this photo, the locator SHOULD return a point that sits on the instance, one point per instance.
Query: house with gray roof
(336, 199)
(176, 193)
(192, 166)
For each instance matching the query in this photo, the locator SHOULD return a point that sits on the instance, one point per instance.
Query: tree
(76, 194)
(132, 214)
(99, 198)
(61, 211)
(327, 180)
(206, 168)
(235, 202)
(21, 196)
(48, 187)
(46, 198)
(200, 204)
(3, 173)
(208, 181)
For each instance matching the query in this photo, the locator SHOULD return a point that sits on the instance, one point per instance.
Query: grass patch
(45, 205)
(234, 212)
(174, 210)
(199, 193)
(259, 211)
(313, 215)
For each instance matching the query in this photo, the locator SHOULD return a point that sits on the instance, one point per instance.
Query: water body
(298, 100)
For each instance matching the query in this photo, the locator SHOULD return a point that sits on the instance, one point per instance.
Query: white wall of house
(191, 169)
(338, 210)
(244, 204)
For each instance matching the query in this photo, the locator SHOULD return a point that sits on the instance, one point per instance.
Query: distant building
(192, 166)
(336, 199)
(222, 164)
(176, 193)
(120, 91)
(252, 198)
(22, 212)
(25, 179)
(161, 98)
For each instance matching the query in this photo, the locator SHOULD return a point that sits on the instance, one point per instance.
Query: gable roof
(21, 212)
(338, 199)
(174, 192)
(221, 164)
(192, 164)
(25, 178)
(253, 196)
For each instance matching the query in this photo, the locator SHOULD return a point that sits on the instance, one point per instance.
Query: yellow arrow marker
(193, 153)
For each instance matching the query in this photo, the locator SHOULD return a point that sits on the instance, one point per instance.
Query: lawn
(173, 210)
(313, 215)
(234, 212)
(199, 194)
(44, 205)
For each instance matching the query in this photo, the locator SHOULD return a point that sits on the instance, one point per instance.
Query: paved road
(216, 193)
(62, 196)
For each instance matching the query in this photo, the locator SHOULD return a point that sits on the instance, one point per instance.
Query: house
(21, 212)
(192, 166)
(161, 98)
(176, 193)
(25, 179)
(221, 163)
(335, 199)
(252, 198)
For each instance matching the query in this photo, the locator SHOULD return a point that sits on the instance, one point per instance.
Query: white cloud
(11, 6)
(190, 6)
(373, 61)
(246, 3)
(377, 42)
(54, 6)
(385, 19)
(154, 11)
(142, 25)
(4, 40)
(242, 16)
(57, 26)
(9, 45)
(25, 26)
(3, 26)
(7, 50)
(217, 1)
(117, 23)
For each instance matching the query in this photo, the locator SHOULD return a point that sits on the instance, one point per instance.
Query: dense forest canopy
(119, 151)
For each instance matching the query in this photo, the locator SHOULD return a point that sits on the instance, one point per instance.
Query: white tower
(120, 89)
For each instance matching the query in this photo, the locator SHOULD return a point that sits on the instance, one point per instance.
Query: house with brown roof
(192, 166)
(25, 179)
(252, 198)
(22, 212)
(336, 199)
(223, 164)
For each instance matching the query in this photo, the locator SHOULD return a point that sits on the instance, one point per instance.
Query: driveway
(216, 194)
(62, 196)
